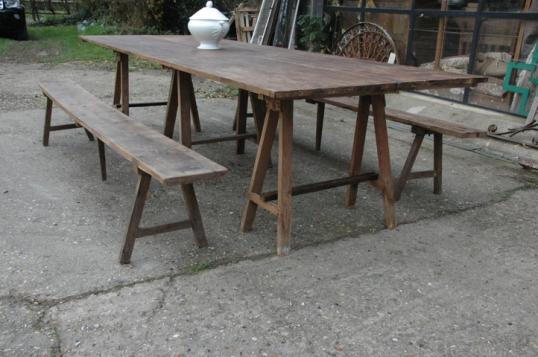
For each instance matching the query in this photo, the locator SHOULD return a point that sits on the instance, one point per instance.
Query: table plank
(281, 73)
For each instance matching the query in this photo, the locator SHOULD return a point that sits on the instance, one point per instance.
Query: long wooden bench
(420, 126)
(152, 154)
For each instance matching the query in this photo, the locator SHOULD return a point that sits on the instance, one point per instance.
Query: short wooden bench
(152, 155)
(420, 126)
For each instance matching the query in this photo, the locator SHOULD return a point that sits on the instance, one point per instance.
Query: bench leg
(102, 158)
(136, 216)
(358, 147)
(89, 135)
(46, 129)
(135, 231)
(241, 119)
(319, 124)
(409, 162)
(48, 126)
(438, 163)
(194, 215)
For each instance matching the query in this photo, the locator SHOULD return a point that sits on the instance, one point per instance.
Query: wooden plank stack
(276, 23)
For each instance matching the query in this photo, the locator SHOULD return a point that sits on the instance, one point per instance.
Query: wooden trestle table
(274, 78)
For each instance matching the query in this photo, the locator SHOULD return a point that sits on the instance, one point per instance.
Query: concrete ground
(458, 277)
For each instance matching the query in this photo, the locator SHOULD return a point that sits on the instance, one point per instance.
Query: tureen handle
(223, 29)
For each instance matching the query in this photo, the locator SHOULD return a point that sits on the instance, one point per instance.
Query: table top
(281, 73)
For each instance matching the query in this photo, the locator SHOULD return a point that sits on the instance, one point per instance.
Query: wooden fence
(53, 7)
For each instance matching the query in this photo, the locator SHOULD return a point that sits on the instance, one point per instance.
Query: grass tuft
(56, 44)
(198, 267)
(60, 44)
(4, 43)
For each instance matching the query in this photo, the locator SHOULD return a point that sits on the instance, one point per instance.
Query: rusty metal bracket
(510, 134)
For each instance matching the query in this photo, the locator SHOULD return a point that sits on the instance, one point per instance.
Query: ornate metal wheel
(366, 40)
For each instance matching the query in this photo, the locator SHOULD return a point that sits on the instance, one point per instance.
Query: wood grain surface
(431, 124)
(166, 160)
(280, 73)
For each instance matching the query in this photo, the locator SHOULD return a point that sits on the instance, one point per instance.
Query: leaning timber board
(533, 111)
(166, 160)
(432, 124)
(280, 73)
(263, 22)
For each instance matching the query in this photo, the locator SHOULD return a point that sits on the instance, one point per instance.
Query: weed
(198, 267)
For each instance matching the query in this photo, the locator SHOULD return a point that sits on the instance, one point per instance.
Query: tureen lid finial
(209, 13)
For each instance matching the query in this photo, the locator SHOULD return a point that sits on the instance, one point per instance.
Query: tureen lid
(209, 13)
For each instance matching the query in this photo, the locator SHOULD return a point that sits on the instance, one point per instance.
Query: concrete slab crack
(162, 299)
(50, 328)
(49, 303)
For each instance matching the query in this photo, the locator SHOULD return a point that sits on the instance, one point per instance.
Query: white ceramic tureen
(208, 26)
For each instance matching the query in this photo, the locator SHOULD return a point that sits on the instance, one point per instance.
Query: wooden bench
(152, 155)
(420, 126)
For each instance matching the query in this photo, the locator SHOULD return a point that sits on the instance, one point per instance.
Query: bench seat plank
(166, 160)
(430, 124)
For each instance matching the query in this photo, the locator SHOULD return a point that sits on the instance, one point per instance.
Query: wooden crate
(245, 20)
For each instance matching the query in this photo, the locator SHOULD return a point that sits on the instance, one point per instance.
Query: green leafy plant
(199, 266)
(164, 16)
(312, 34)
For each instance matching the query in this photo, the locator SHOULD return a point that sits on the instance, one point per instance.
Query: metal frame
(413, 13)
